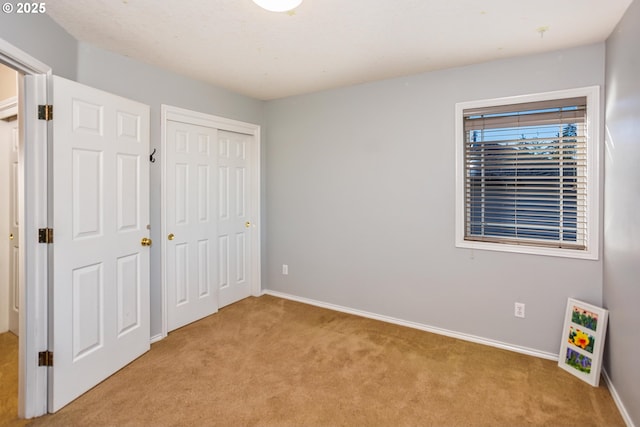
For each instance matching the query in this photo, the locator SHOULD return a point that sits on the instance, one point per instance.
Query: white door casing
(190, 223)
(100, 290)
(235, 225)
(34, 256)
(250, 265)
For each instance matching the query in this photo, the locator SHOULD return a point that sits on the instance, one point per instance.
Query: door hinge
(45, 235)
(45, 112)
(45, 358)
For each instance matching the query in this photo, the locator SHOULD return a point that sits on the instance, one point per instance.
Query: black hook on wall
(151, 158)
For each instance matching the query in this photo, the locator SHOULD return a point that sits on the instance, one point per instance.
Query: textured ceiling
(329, 43)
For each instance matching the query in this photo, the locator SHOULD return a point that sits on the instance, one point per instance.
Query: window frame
(594, 175)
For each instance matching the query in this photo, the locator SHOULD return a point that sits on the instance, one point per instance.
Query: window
(527, 174)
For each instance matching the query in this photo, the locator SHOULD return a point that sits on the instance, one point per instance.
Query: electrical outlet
(519, 310)
(285, 269)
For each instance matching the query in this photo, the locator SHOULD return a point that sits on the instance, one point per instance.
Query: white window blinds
(526, 173)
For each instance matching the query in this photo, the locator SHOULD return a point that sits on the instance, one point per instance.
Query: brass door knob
(11, 236)
(247, 224)
(171, 236)
(146, 241)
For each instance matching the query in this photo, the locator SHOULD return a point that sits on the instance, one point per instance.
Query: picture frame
(582, 343)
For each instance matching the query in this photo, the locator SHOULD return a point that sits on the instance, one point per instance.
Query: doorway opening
(9, 240)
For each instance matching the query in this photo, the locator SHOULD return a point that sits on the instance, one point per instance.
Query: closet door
(190, 195)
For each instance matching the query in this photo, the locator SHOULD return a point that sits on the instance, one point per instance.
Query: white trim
(32, 90)
(419, 326)
(182, 115)
(156, 338)
(594, 186)
(164, 330)
(35, 321)
(616, 398)
(20, 60)
(36, 264)
(9, 107)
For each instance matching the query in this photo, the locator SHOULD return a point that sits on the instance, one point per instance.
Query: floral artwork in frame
(582, 342)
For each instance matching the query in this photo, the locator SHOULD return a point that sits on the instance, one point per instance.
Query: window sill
(530, 250)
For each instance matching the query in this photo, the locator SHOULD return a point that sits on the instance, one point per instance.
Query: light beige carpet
(272, 362)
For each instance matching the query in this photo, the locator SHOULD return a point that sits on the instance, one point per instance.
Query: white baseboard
(414, 325)
(616, 398)
(156, 338)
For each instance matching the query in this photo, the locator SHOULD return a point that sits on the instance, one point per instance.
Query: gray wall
(43, 39)
(361, 204)
(153, 86)
(622, 204)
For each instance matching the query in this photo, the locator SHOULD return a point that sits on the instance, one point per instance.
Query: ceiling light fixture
(278, 5)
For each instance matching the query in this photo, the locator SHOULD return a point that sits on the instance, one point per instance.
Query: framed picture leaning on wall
(582, 344)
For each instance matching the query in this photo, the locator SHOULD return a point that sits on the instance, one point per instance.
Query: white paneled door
(14, 231)
(234, 219)
(100, 291)
(190, 261)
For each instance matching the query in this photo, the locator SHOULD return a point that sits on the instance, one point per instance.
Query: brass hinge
(45, 112)
(45, 235)
(45, 358)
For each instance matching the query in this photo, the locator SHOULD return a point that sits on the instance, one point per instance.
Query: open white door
(99, 296)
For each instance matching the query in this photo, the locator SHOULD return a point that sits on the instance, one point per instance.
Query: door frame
(33, 266)
(171, 113)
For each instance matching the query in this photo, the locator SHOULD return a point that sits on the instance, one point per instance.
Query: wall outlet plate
(519, 310)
